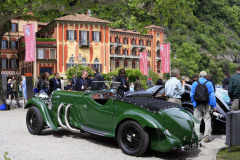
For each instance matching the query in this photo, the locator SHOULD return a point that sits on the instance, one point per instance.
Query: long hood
(179, 123)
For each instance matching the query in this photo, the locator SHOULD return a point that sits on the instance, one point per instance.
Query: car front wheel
(132, 138)
(34, 121)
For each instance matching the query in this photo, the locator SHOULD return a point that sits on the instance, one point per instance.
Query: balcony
(124, 56)
(117, 55)
(84, 44)
(44, 42)
(116, 44)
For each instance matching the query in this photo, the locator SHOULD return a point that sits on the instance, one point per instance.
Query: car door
(97, 115)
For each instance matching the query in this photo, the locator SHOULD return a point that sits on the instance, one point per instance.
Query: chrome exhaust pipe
(67, 122)
(58, 116)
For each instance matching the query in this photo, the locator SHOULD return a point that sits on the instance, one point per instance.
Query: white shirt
(173, 88)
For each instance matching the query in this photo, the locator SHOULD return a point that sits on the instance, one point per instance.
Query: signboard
(165, 57)
(30, 42)
(143, 63)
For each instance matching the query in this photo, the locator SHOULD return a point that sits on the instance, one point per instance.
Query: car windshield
(154, 88)
(104, 85)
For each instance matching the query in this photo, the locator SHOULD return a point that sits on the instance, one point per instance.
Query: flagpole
(35, 62)
(170, 57)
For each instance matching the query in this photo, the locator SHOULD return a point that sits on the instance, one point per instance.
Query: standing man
(55, 83)
(74, 80)
(15, 89)
(159, 82)
(234, 90)
(97, 77)
(24, 87)
(121, 78)
(225, 81)
(137, 85)
(173, 87)
(149, 82)
(203, 98)
(82, 83)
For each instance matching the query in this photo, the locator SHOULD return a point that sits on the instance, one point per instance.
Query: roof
(43, 24)
(154, 26)
(81, 18)
(127, 31)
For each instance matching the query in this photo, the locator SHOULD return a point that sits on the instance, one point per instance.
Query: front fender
(43, 110)
(143, 118)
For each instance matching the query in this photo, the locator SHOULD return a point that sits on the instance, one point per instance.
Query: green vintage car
(137, 123)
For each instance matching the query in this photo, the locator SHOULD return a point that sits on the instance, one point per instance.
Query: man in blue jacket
(201, 108)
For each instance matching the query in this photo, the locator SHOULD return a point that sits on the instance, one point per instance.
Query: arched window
(84, 62)
(116, 39)
(71, 62)
(158, 35)
(96, 63)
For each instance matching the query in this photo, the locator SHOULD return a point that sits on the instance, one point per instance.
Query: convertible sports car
(136, 123)
(219, 117)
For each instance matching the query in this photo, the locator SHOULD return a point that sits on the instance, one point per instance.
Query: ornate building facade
(81, 39)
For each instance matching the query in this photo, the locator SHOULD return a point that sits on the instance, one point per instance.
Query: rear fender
(144, 119)
(43, 110)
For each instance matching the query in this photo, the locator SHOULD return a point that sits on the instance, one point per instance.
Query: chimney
(89, 13)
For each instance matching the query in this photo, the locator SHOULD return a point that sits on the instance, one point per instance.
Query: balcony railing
(157, 58)
(124, 56)
(116, 44)
(84, 43)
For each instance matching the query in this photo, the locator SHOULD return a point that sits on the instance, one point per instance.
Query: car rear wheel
(34, 121)
(132, 138)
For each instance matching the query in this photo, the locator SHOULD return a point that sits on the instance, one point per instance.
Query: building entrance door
(46, 69)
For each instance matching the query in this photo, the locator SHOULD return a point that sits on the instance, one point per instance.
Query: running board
(94, 131)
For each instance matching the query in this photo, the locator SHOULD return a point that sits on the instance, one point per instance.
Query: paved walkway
(63, 145)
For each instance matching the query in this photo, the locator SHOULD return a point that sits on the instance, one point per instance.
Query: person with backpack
(203, 98)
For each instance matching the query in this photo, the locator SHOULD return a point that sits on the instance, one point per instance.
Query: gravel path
(63, 145)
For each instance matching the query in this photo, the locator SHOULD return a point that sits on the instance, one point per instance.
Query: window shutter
(16, 27)
(100, 68)
(75, 35)
(150, 53)
(6, 44)
(100, 36)
(80, 37)
(10, 63)
(67, 35)
(16, 44)
(44, 53)
(88, 38)
(92, 35)
(7, 64)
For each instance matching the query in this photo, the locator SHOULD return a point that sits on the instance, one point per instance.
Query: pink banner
(165, 57)
(30, 43)
(143, 63)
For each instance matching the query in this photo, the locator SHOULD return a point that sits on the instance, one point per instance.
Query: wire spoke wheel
(34, 121)
(132, 138)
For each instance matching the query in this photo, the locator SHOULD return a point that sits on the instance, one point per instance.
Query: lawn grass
(233, 155)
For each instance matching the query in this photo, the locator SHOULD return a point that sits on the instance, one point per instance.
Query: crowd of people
(203, 95)
(13, 89)
(46, 85)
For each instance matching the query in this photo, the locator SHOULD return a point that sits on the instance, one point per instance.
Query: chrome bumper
(191, 146)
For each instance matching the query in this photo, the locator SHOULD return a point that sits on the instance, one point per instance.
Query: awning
(10, 73)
